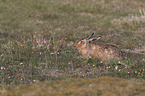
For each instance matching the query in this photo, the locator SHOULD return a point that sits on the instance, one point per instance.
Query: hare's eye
(82, 41)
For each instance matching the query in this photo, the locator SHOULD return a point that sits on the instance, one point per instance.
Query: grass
(37, 39)
(103, 86)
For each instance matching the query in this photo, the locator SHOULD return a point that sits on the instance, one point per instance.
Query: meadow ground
(37, 39)
(102, 86)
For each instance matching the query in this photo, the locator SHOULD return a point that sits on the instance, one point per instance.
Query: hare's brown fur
(102, 51)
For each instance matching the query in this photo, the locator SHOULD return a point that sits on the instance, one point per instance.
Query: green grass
(37, 39)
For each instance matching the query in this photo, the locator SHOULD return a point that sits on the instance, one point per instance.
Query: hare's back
(109, 48)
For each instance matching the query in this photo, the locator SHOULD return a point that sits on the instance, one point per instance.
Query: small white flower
(52, 53)
(135, 71)
(93, 65)
(40, 53)
(116, 67)
(119, 70)
(2, 68)
(21, 63)
(2, 55)
(34, 80)
(128, 72)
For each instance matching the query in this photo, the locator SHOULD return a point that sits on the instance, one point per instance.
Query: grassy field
(102, 86)
(37, 39)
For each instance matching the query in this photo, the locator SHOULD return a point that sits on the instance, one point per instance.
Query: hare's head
(83, 43)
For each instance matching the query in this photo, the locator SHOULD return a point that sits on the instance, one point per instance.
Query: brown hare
(102, 51)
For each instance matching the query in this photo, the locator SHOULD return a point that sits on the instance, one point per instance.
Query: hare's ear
(90, 35)
(95, 38)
